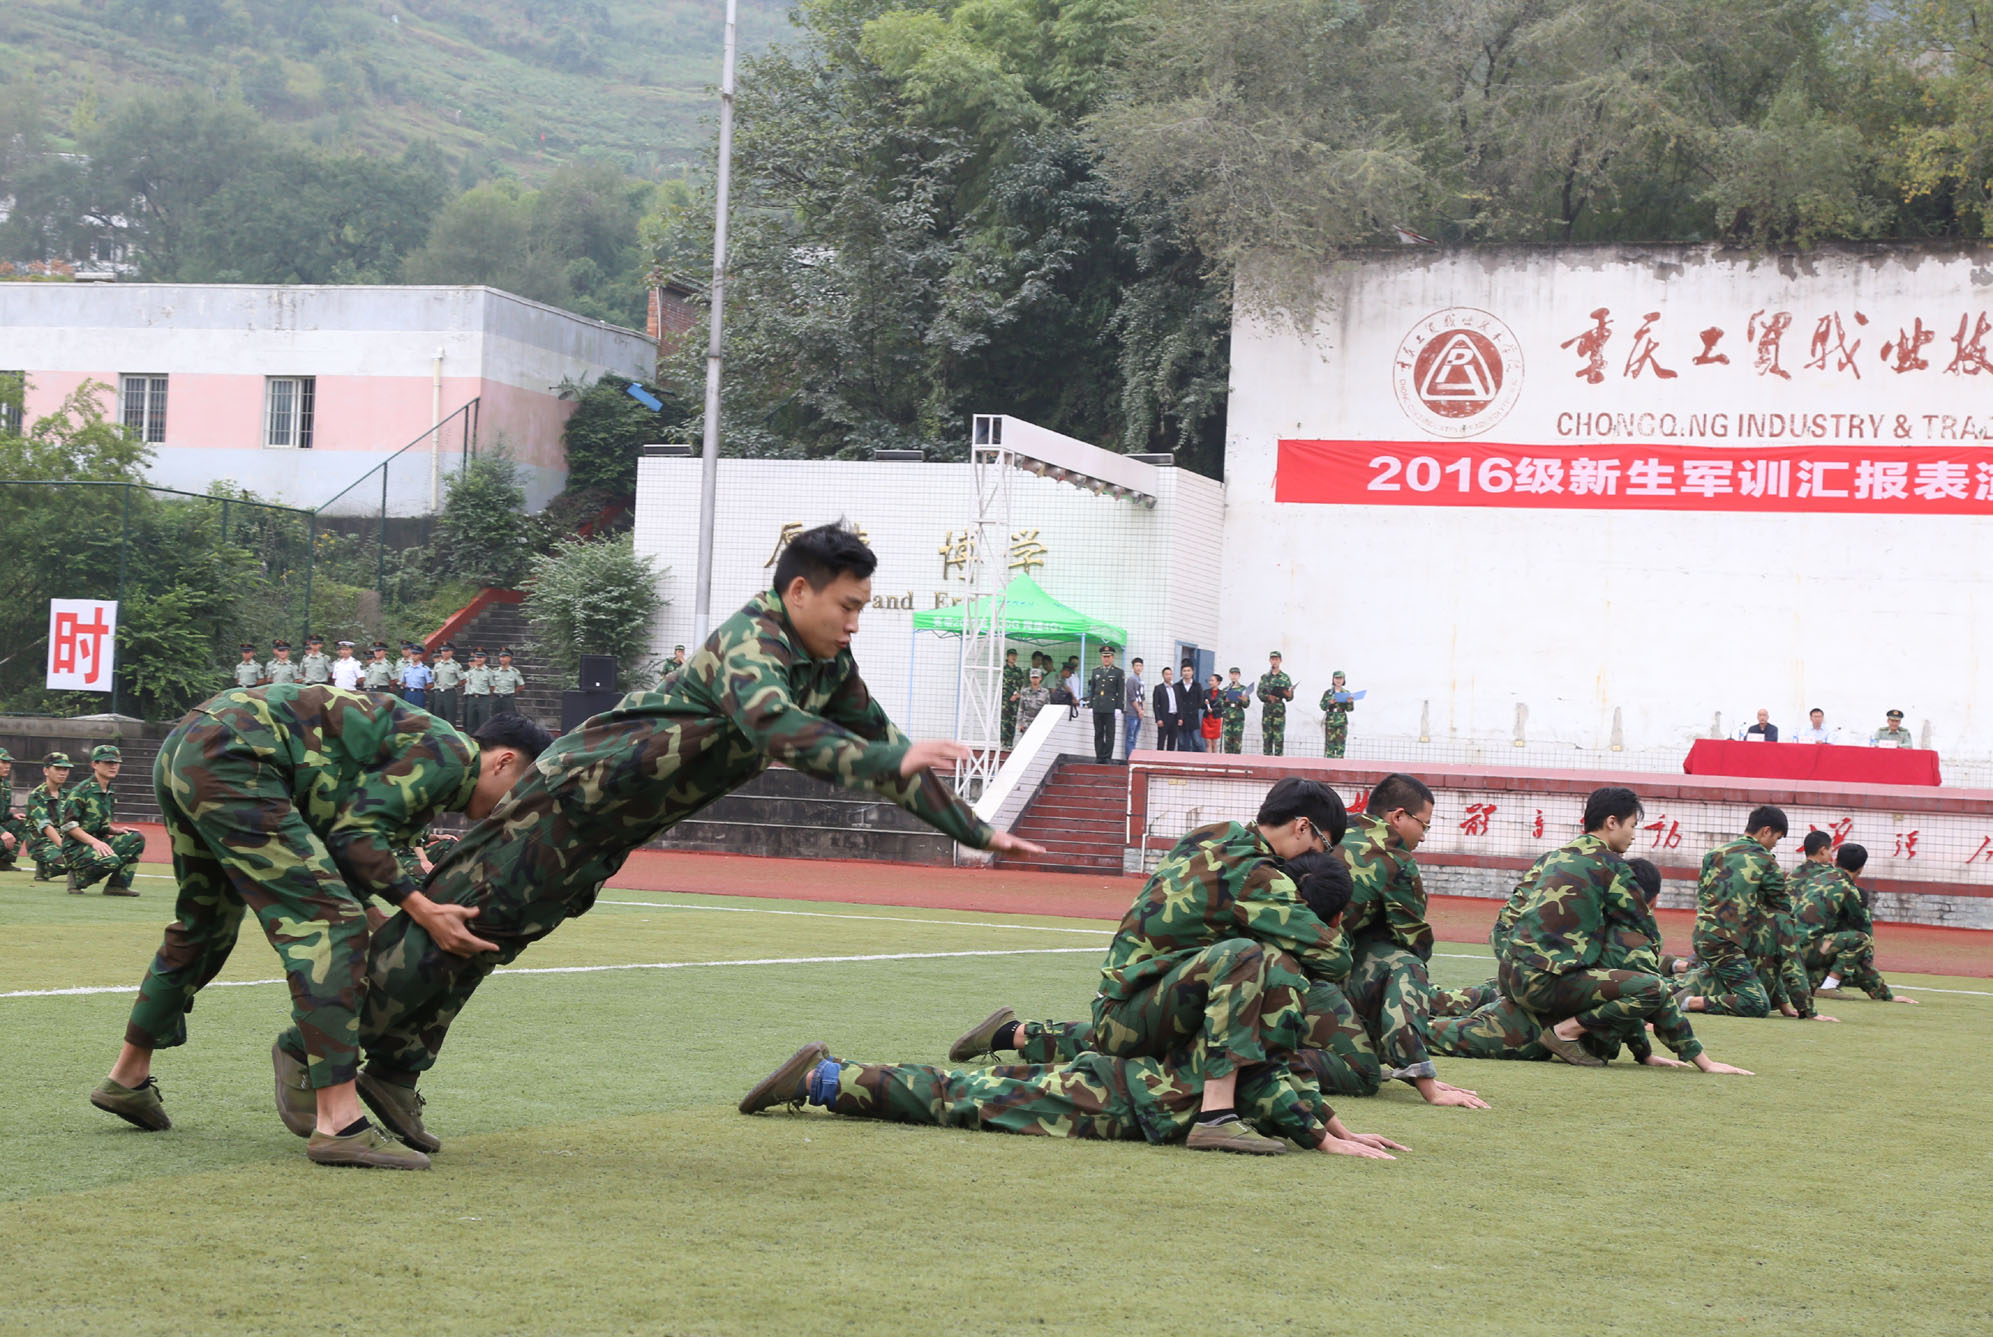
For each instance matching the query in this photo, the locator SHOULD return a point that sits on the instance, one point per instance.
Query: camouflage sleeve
(1405, 911)
(1772, 887)
(924, 794)
(427, 767)
(1270, 910)
(753, 691)
(1857, 914)
(64, 815)
(1283, 1099)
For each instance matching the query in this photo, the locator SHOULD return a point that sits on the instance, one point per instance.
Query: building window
(13, 389)
(288, 419)
(142, 406)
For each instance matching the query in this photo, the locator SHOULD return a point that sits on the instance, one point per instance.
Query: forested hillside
(527, 84)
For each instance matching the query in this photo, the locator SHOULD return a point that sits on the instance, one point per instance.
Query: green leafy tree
(482, 533)
(606, 434)
(593, 597)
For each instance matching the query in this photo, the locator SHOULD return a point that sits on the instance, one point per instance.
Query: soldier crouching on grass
(774, 682)
(1098, 1096)
(289, 801)
(96, 848)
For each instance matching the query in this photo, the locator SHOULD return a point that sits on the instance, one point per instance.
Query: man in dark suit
(1764, 728)
(1190, 729)
(1169, 713)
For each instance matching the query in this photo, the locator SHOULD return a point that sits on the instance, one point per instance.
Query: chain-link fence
(195, 575)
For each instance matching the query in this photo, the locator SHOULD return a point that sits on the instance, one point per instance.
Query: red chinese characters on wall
(1477, 819)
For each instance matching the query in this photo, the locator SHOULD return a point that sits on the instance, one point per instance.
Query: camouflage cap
(1273, 654)
(1236, 669)
(1336, 673)
(57, 759)
(676, 648)
(105, 752)
(5, 755)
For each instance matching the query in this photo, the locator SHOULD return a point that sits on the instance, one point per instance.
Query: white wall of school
(1153, 572)
(1665, 617)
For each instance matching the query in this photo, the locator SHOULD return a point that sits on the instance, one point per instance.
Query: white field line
(596, 970)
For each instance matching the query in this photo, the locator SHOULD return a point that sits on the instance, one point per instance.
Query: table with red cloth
(1814, 761)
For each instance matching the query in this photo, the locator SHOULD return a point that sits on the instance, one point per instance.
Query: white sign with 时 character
(82, 644)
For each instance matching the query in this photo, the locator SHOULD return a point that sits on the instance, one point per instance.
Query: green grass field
(595, 1177)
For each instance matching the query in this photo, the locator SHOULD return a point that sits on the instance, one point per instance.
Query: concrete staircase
(505, 624)
(1079, 816)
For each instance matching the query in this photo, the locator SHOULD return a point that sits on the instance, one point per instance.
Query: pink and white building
(296, 392)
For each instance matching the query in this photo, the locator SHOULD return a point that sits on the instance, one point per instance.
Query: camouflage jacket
(1740, 885)
(1273, 690)
(1584, 894)
(45, 808)
(1389, 899)
(90, 808)
(1220, 881)
(751, 695)
(1505, 920)
(366, 772)
(1831, 903)
(1014, 679)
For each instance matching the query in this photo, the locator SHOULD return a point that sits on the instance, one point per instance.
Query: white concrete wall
(1667, 616)
(1150, 571)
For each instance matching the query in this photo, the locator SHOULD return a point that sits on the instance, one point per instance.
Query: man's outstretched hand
(1003, 842)
(929, 753)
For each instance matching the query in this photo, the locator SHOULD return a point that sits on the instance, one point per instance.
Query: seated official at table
(1817, 730)
(1764, 728)
(1893, 733)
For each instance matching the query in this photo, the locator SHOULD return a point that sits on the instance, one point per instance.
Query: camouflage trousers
(1388, 987)
(1606, 1002)
(1784, 978)
(1211, 1003)
(1273, 735)
(1851, 955)
(119, 865)
(1331, 1045)
(50, 856)
(1459, 1002)
(18, 829)
(1726, 981)
(1503, 1029)
(1335, 739)
(238, 842)
(1232, 734)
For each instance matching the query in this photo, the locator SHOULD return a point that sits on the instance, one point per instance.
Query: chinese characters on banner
(1951, 479)
(82, 640)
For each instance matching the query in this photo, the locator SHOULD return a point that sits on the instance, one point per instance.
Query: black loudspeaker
(598, 673)
(577, 706)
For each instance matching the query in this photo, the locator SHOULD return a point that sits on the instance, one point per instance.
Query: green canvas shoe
(788, 1084)
(297, 1102)
(1236, 1136)
(400, 1108)
(138, 1105)
(977, 1039)
(369, 1147)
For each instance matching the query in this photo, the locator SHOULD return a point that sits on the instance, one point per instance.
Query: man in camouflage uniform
(1390, 941)
(315, 670)
(1275, 690)
(1034, 697)
(447, 699)
(1570, 959)
(280, 670)
(14, 835)
(379, 674)
(248, 673)
(289, 801)
(45, 810)
(1188, 965)
(1013, 683)
(1335, 717)
(1236, 697)
(774, 682)
(1837, 931)
(96, 848)
(1740, 881)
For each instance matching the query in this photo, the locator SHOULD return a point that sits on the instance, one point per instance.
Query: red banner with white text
(1868, 480)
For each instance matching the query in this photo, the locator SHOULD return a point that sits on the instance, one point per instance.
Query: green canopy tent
(1029, 615)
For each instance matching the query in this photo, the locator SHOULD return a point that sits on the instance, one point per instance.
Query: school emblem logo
(1458, 372)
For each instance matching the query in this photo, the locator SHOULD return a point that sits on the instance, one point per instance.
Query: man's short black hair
(1816, 711)
(1398, 790)
(1851, 857)
(823, 554)
(1815, 842)
(1295, 797)
(1764, 815)
(1647, 877)
(1324, 882)
(513, 731)
(1609, 802)
(1136, 660)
